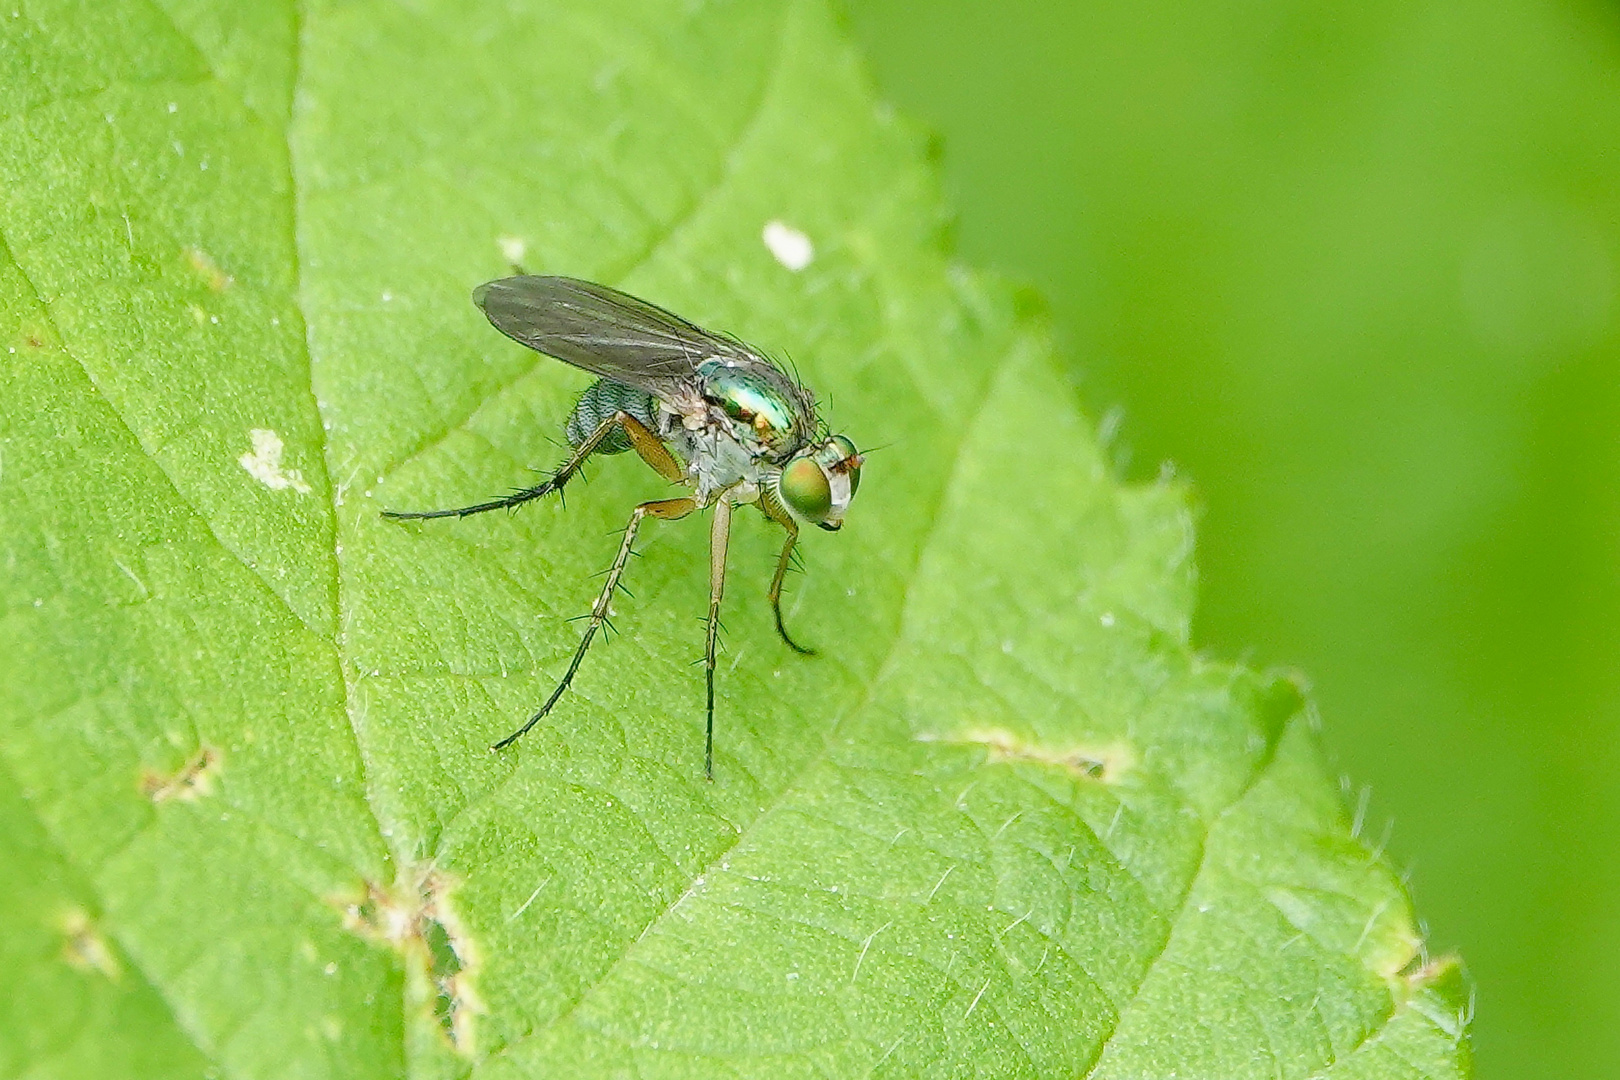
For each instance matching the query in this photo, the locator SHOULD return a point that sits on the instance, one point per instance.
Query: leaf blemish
(1107, 763)
(193, 781)
(790, 247)
(417, 921)
(263, 463)
(512, 248)
(85, 948)
(1425, 972)
(206, 268)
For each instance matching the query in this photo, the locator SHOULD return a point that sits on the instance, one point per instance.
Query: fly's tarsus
(505, 502)
(643, 441)
(666, 509)
(781, 631)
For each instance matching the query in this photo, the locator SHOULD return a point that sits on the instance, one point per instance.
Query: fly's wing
(602, 330)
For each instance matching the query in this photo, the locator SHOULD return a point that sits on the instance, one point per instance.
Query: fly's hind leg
(648, 447)
(646, 444)
(666, 509)
(769, 507)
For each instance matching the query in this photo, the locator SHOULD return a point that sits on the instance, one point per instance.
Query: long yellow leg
(666, 509)
(649, 448)
(771, 510)
(719, 537)
(646, 444)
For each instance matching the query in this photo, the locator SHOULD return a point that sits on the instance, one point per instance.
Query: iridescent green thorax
(760, 402)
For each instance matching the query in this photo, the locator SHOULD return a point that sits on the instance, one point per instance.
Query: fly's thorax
(760, 408)
(716, 461)
(817, 486)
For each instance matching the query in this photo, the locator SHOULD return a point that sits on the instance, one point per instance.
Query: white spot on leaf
(791, 247)
(512, 248)
(263, 463)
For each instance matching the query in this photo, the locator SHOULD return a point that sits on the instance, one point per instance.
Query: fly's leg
(646, 445)
(782, 562)
(770, 509)
(668, 510)
(719, 536)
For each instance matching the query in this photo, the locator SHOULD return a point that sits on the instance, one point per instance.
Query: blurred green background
(1352, 268)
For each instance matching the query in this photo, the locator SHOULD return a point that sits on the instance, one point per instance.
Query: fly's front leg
(719, 536)
(770, 509)
(668, 510)
(646, 445)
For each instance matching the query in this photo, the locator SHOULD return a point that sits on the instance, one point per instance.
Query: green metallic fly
(703, 410)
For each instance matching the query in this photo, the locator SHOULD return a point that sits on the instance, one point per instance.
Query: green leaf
(1007, 823)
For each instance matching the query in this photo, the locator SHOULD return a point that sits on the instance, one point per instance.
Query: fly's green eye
(805, 489)
(846, 450)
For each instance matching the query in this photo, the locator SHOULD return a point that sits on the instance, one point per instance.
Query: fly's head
(817, 485)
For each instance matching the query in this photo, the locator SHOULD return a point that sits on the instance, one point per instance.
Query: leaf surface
(1008, 823)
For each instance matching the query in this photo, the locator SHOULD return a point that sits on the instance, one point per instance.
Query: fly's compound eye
(805, 489)
(850, 461)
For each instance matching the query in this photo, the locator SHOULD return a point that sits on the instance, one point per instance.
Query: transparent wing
(602, 330)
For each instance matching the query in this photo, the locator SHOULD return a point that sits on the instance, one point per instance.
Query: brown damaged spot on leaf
(1104, 762)
(194, 781)
(1442, 973)
(415, 918)
(84, 947)
(207, 269)
(1439, 988)
(1428, 971)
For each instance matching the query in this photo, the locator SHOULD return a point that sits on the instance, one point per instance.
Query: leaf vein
(192, 1037)
(207, 522)
(1130, 1003)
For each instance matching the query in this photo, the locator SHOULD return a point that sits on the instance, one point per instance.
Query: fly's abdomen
(597, 405)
